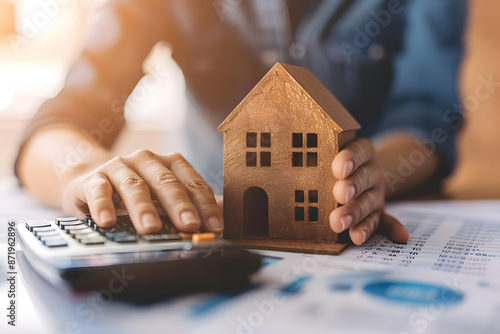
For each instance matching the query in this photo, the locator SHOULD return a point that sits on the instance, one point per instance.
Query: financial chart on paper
(439, 242)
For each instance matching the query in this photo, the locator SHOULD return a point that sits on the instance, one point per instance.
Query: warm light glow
(159, 100)
(6, 95)
(7, 23)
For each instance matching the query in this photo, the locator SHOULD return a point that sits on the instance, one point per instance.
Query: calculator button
(56, 243)
(64, 225)
(84, 234)
(41, 235)
(92, 241)
(160, 237)
(36, 223)
(124, 220)
(203, 237)
(65, 220)
(111, 236)
(89, 220)
(37, 230)
(125, 238)
(125, 223)
(53, 238)
(112, 230)
(80, 227)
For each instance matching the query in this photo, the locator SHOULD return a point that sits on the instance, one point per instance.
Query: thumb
(392, 228)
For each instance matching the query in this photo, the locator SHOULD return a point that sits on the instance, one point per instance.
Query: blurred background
(39, 40)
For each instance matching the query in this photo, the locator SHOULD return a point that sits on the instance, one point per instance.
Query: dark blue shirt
(393, 64)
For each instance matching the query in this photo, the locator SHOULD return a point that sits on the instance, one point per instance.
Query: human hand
(139, 180)
(360, 187)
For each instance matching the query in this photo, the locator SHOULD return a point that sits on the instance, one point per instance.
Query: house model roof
(308, 84)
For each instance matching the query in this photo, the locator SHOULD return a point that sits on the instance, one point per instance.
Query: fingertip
(358, 237)
(342, 165)
(396, 231)
(401, 236)
(339, 192)
(214, 224)
(338, 165)
(190, 221)
(348, 169)
(335, 223)
(150, 223)
(104, 218)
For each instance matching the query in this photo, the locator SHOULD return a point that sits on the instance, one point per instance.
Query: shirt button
(376, 52)
(297, 50)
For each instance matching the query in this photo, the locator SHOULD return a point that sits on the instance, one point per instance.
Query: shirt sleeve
(423, 97)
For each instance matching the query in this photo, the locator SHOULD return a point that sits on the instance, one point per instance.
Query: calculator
(80, 256)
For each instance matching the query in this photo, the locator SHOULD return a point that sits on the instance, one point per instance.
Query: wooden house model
(279, 145)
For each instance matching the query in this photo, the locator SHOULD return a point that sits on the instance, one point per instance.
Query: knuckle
(207, 206)
(370, 201)
(144, 154)
(373, 221)
(175, 156)
(357, 210)
(114, 163)
(194, 183)
(182, 204)
(96, 182)
(130, 181)
(365, 178)
(174, 160)
(164, 179)
(356, 152)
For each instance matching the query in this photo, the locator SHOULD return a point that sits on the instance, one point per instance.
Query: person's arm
(423, 107)
(64, 160)
(415, 145)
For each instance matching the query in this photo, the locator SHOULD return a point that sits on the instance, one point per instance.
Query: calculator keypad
(87, 233)
(31, 224)
(46, 233)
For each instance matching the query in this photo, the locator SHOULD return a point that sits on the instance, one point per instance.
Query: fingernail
(105, 216)
(365, 235)
(214, 224)
(350, 193)
(149, 220)
(189, 218)
(348, 167)
(346, 221)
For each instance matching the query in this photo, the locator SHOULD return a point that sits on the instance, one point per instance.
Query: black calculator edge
(135, 280)
(207, 274)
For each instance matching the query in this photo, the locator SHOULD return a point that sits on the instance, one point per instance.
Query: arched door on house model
(255, 213)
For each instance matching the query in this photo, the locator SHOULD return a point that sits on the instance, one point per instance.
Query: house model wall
(279, 144)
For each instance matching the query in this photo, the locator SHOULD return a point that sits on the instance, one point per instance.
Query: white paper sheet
(450, 238)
